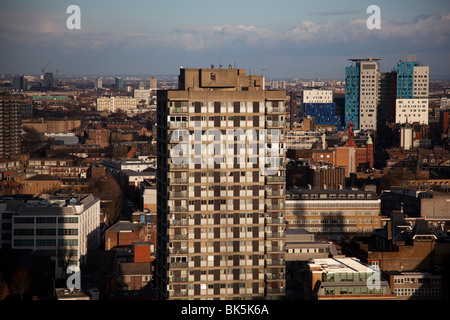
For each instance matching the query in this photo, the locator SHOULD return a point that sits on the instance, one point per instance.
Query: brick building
(123, 234)
(41, 183)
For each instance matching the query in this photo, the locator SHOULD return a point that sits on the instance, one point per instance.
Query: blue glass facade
(352, 96)
(325, 114)
(405, 79)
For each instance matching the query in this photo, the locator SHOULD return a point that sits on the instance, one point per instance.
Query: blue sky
(286, 38)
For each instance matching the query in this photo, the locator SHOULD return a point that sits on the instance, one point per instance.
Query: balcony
(275, 263)
(182, 166)
(178, 279)
(275, 124)
(277, 276)
(276, 249)
(183, 293)
(273, 235)
(178, 181)
(177, 209)
(275, 178)
(181, 194)
(178, 110)
(276, 290)
(276, 109)
(178, 222)
(177, 124)
(275, 221)
(178, 251)
(275, 206)
(275, 193)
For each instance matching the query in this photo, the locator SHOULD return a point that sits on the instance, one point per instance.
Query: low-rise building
(346, 279)
(135, 275)
(41, 183)
(335, 214)
(408, 285)
(123, 234)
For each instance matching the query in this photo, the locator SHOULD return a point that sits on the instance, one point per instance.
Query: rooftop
(339, 265)
(125, 226)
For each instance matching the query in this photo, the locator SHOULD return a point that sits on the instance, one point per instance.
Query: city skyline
(288, 39)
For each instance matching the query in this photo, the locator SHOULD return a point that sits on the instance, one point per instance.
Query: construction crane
(43, 69)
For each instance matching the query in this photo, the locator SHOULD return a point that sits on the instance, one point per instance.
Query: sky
(279, 39)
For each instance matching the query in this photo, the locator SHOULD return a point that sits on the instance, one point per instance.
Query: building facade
(10, 130)
(63, 228)
(362, 93)
(335, 214)
(347, 279)
(220, 214)
(114, 104)
(412, 92)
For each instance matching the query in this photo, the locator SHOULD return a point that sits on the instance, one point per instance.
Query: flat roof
(126, 226)
(339, 265)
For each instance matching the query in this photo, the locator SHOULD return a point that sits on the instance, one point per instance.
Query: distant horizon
(174, 76)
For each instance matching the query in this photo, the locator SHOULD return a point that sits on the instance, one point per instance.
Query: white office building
(411, 110)
(369, 95)
(317, 96)
(64, 228)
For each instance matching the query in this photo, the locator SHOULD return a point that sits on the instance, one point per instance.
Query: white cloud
(32, 29)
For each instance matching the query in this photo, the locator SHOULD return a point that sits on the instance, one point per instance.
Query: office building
(10, 126)
(98, 84)
(362, 94)
(61, 227)
(153, 83)
(412, 92)
(386, 107)
(346, 279)
(48, 80)
(325, 114)
(335, 214)
(317, 96)
(118, 83)
(416, 285)
(20, 83)
(220, 211)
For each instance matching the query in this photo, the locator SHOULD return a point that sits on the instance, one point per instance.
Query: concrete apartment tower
(221, 195)
(10, 126)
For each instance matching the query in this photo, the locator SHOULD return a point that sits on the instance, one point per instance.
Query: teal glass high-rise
(352, 96)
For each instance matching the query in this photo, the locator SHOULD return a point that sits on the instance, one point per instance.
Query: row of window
(45, 242)
(418, 292)
(45, 232)
(417, 280)
(330, 196)
(332, 213)
(333, 205)
(331, 221)
(46, 219)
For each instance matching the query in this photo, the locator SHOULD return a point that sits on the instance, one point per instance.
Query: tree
(65, 256)
(110, 193)
(20, 281)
